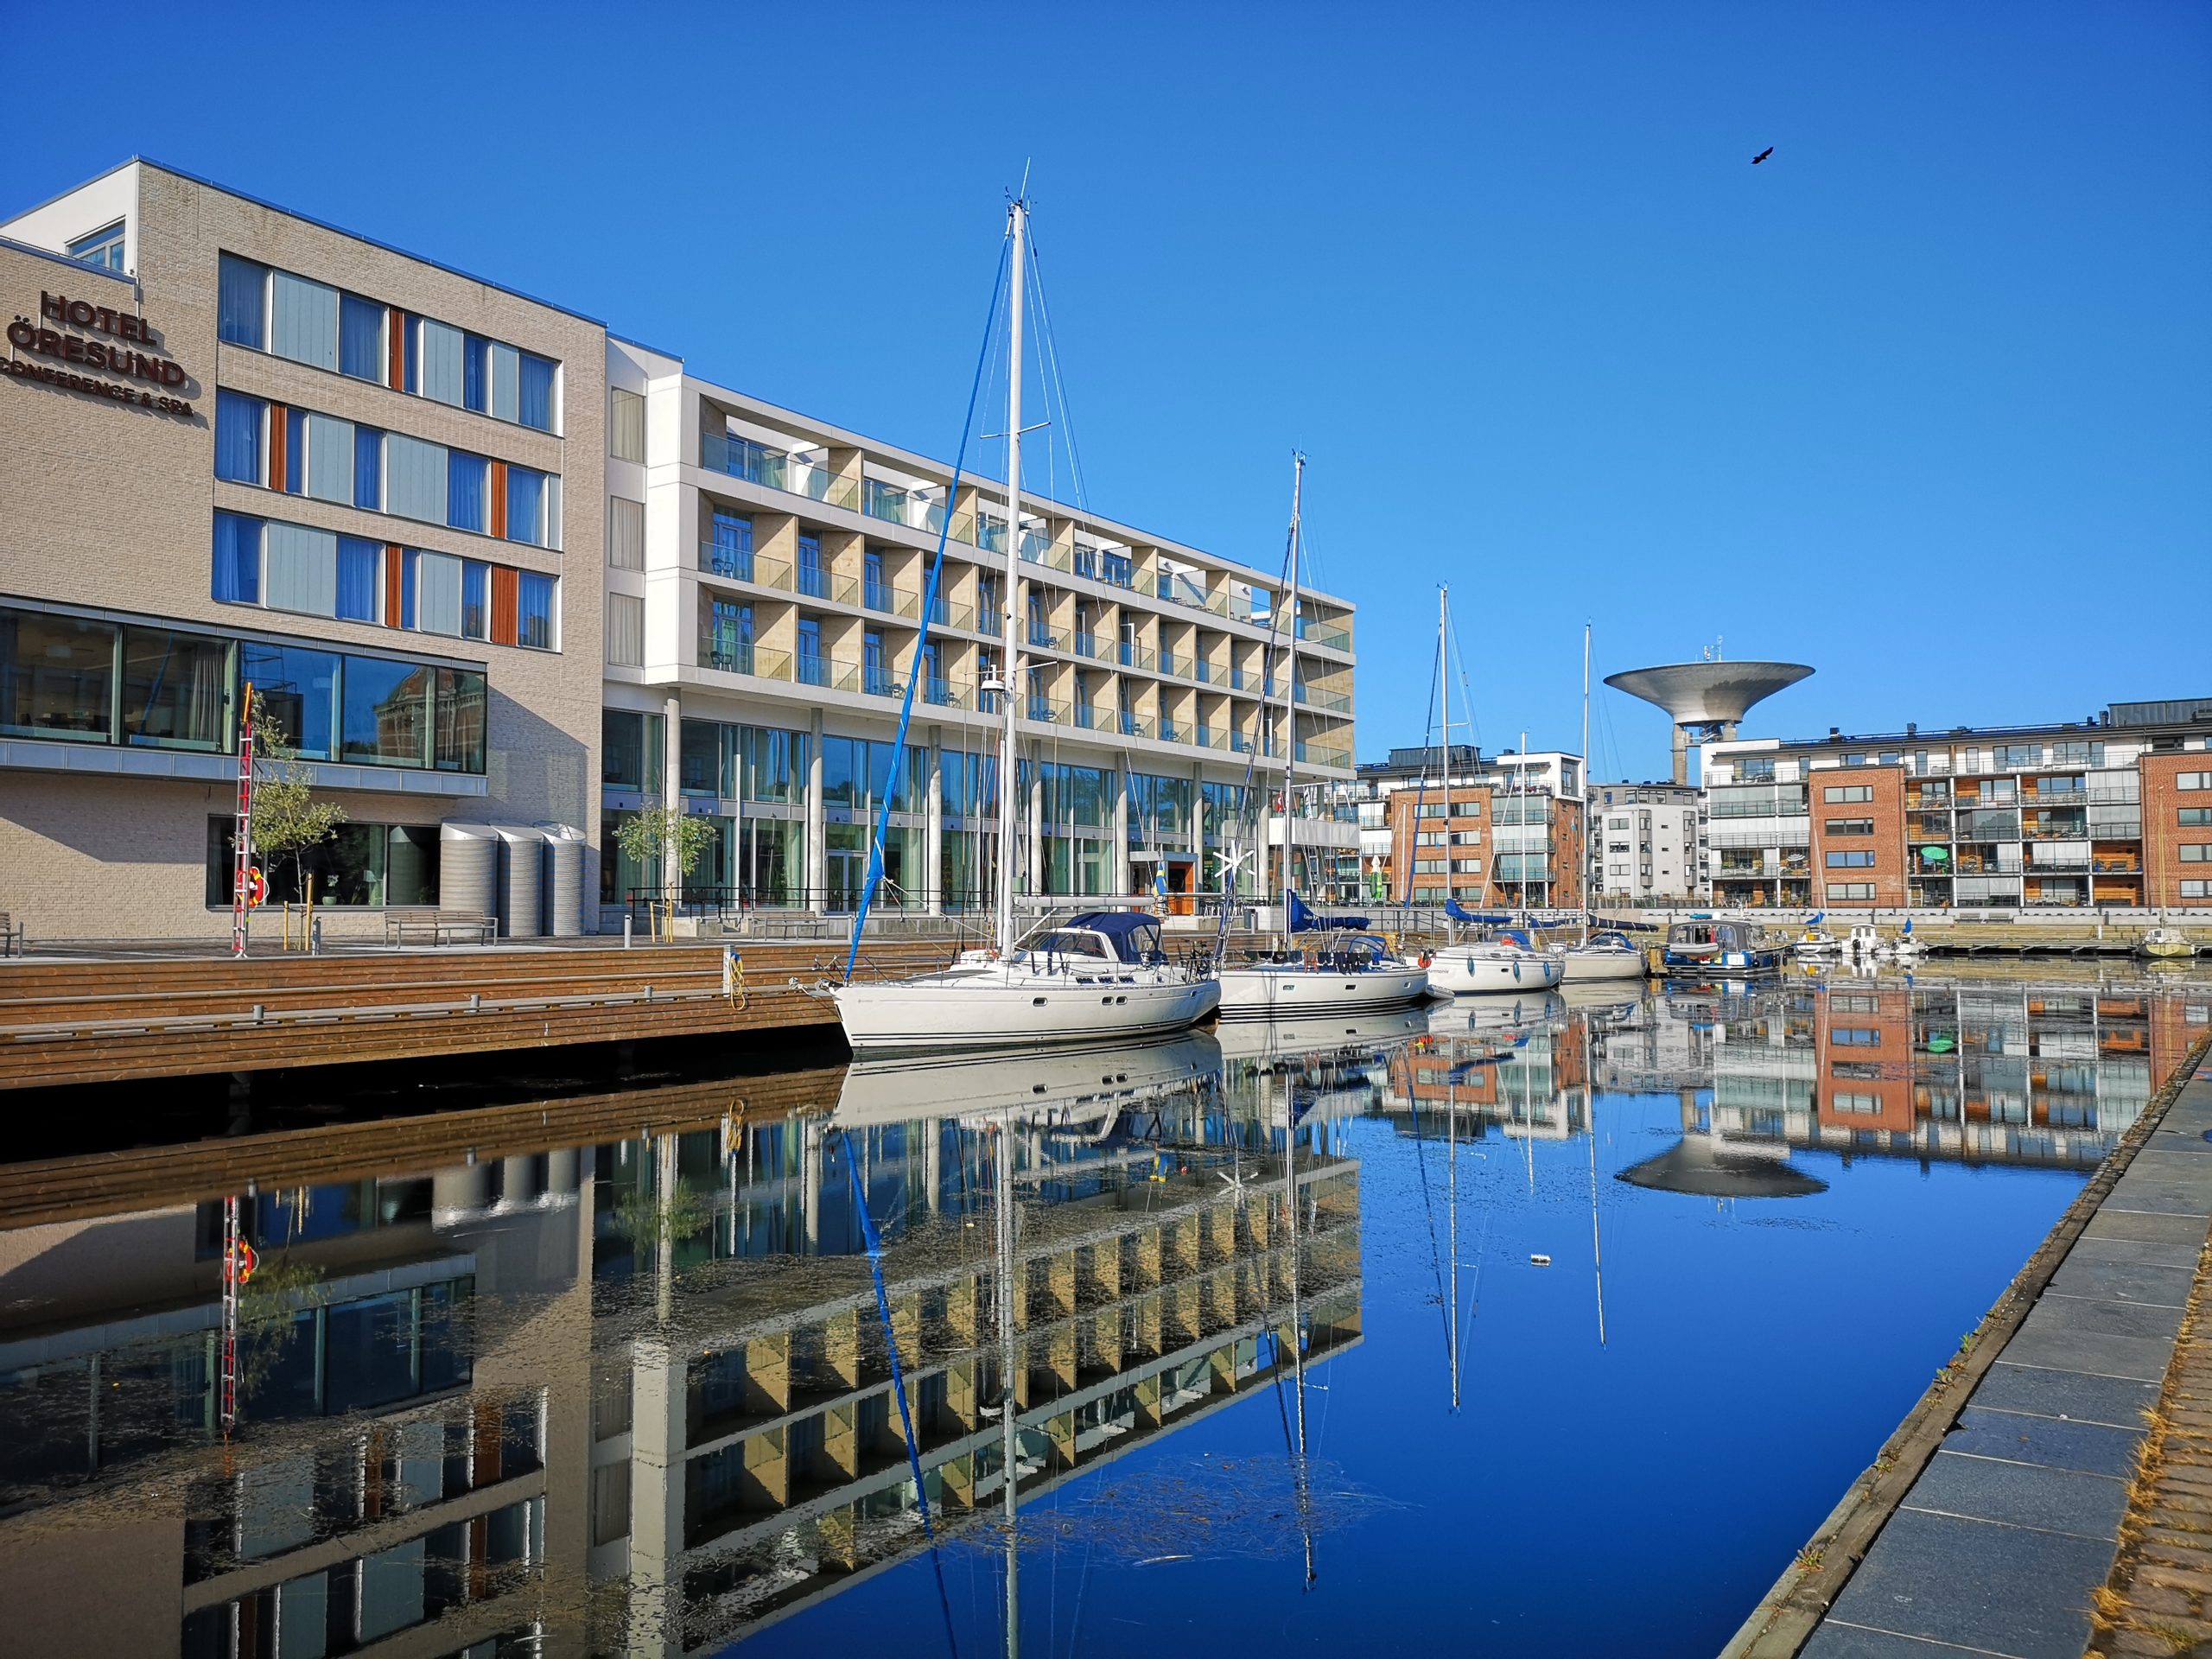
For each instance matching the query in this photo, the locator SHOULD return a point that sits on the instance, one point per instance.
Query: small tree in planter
(287, 818)
(645, 840)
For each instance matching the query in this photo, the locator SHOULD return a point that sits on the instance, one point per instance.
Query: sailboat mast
(1018, 227)
(1009, 1429)
(1444, 679)
(1585, 847)
(1452, 1209)
(1297, 1304)
(1290, 695)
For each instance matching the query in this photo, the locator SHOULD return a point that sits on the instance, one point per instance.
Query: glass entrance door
(848, 872)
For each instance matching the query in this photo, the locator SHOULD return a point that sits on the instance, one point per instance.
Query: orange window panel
(391, 584)
(503, 585)
(499, 500)
(395, 334)
(278, 435)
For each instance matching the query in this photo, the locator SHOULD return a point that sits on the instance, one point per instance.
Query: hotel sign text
(133, 350)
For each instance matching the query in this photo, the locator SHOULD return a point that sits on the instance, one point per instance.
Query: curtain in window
(468, 486)
(303, 569)
(437, 593)
(295, 451)
(474, 372)
(534, 599)
(475, 598)
(626, 533)
(626, 631)
(368, 467)
(414, 477)
(534, 392)
(302, 320)
(549, 517)
(240, 285)
(238, 436)
(330, 458)
(360, 338)
(360, 578)
(238, 559)
(526, 494)
(440, 371)
(505, 361)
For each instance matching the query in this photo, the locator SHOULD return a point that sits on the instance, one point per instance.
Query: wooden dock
(73, 1023)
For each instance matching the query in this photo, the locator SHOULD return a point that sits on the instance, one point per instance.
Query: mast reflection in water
(1257, 1331)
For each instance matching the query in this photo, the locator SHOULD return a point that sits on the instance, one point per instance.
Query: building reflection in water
(633, 1394)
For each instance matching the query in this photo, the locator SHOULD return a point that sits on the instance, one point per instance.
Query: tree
(287, 818)
(645, 838)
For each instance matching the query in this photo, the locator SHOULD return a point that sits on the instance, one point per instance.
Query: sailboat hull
(1579, 965)
(992, 1008)
(1279, 990)
(1464, 971)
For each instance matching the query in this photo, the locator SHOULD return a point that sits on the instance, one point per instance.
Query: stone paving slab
(2143, 1252)
(1834, 1641)
(2111, 1222)
(2091, 1448)
(2121, 1280)
(1979, 1585)
(2066, 1396)
(2065, 1501)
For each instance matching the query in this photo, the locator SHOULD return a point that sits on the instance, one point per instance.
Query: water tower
(1707, 697)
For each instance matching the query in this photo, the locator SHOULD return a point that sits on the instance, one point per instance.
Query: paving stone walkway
(2003, 1545)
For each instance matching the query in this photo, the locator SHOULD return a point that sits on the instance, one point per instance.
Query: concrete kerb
(1791, 1611)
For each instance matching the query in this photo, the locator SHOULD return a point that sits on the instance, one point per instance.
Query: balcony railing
(1135, 656)
(733, 656)
(1333, 701)
(775, 469)
(1323, 633)
(1313, 753)
(828, 672)
(743, 564)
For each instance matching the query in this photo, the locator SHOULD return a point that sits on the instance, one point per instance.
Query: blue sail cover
(1303, 920)
(1459, 912)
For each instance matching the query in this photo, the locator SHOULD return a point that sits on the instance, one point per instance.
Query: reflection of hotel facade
(521, 1397)
(490, 565)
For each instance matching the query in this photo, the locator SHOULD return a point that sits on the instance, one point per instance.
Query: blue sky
(1920, 401)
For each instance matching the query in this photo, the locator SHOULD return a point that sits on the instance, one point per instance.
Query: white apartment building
(1644, 842)
(765, 580)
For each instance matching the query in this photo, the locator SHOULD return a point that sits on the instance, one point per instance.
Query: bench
(11, 935)
(404, 927)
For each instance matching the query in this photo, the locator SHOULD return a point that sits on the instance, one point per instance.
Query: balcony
(1323, 633)
(892, 602)
(914, 509)
(1042, 638)
(742, 564)
(735, 655)
(1315, 754)
(828, 673)
(1136, 655)
(1333, 703)
(775, 469)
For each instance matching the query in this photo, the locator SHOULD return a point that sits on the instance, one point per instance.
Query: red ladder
(242, 863)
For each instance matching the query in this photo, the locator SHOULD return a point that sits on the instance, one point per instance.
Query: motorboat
(1734, 946)
(1101, 974)
(1340, 974)
(1506, 962)
(1816, 942)
(1097, 976)
(2165, 944)
(1602, 956)
(1865, 943)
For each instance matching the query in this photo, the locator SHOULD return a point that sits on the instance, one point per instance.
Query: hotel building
(2101, 812)
(502, 576)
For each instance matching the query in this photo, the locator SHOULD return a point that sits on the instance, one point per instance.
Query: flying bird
(1763, 154)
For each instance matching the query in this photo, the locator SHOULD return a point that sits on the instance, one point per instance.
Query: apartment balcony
(743, 564)
(1315, 754)
(775, 469)
(915, 509)
(735, 655)
(1334, 702)
(2116, 864)
(890, 600)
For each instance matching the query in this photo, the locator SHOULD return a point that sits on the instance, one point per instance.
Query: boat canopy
(1459, 912)
(1303, 919)
(1134, 934)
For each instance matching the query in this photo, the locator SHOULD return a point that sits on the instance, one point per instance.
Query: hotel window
(1851, 860)
(329, 459)
(1845, 793)
(533, 620)
(414, 478)
(1843, 892)
(626, 425)
(438, 360)
(534, 390)
(2196, 852)
(360, 339)
(360, 580)
(532, 501)
(239, 423)
(302, 320)
(241, 301)
(102, 248)
(368, 469)
(236, 573)
(1849, 826)
(475, 600)
(468, 490)
(626, 533)
(475, 373)
(625, 630)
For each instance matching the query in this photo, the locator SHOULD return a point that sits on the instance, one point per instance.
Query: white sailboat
(1099, 975)
(1345, 973)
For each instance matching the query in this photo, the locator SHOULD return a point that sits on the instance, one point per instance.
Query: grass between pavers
(1791, 1611)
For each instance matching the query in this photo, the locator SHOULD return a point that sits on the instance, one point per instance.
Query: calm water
(1537, 1327)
